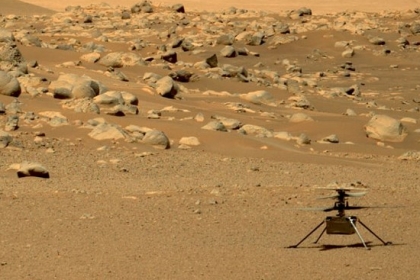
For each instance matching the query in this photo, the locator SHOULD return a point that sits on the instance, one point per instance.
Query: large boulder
(74, 86)
(256, 130)
(11, 58)
(385, 128)
(9, 85)
(121, 59)
(107, 131)
(215, 125)
(109, 98)
(142, 7)
(157, 139)
(32, 169)
(6, 36)
(167, 87)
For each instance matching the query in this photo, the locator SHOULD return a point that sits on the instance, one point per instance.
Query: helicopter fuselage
(340, 224)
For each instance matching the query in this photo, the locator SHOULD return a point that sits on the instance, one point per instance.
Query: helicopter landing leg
(357, 231)
(366, 227)
(309, 234)
(319, 237)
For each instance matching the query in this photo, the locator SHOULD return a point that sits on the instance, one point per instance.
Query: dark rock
(212, 61)
(170, 56)
(142, 7)
(179, 8)
(181, 76)
(32, 169)
(125, 15)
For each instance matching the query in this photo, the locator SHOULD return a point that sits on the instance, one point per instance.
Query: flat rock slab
(31, 169)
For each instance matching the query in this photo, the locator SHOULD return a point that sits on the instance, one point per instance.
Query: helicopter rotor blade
(359, 194)
(324, 209)
(335, 196)
(328, 196)
(346, 189)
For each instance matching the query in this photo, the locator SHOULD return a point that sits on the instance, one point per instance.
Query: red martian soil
(283, 117)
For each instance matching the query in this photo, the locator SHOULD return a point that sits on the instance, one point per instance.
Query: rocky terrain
(159, 142)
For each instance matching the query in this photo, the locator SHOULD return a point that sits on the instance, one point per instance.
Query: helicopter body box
(340, 225)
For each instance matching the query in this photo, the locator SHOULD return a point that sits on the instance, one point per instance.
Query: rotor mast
(341, 204)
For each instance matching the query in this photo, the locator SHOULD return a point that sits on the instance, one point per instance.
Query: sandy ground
(227, 208)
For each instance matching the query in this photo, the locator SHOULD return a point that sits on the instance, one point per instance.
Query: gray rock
(121, 110)
(187, 45)
(109, 98)
(256, 39)
(32, 169)
(12, 123)
(82, 91)
(106, 131)
(91, 57)
(385, 128)
(377, 41)
(5, 139)
(121, 59)
(85, 105)
(30, 41)
(256, 130)
(14, 107)
(225, 39)
(125, 15)
(415, 28)
(166, 87)
(10, 57)
(215, 126)
(189, 141)
(229, 123)
(75, 86)
(283, 39)
(296, 14)
(410, 155)
(350, 113)
(151, 78)
(157, 139)
(142, 7)
(6, 36)
(303, 139)
(348, 53)
(9, 85)
(228, 51)
(282, 28)
(331, 139)
(129, 98)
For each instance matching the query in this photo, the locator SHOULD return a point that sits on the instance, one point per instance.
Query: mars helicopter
(341, 223)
